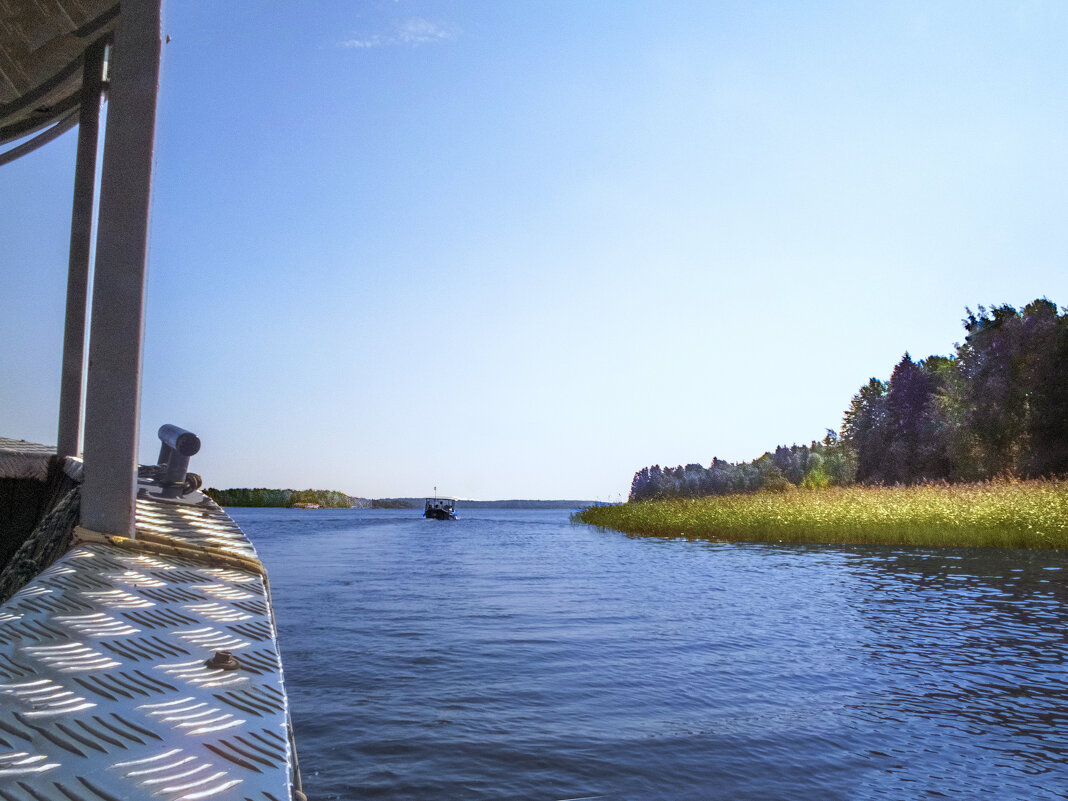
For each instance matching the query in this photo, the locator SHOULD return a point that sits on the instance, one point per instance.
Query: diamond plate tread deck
(105, 693)
(200, 522)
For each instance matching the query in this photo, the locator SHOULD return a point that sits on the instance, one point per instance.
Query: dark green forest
(997, 407)
(328, 499)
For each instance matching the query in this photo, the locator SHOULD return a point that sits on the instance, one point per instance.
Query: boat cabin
(440, 509)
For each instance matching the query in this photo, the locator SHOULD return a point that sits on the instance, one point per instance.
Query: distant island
(332, 499)
(281, 498)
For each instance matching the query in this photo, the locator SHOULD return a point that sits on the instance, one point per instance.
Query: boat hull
(439, 514)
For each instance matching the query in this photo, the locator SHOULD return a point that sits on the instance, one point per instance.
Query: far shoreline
(290, 499)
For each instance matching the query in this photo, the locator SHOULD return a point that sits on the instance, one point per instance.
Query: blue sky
(524, 249)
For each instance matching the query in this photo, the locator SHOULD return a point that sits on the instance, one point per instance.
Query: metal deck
(105, 690)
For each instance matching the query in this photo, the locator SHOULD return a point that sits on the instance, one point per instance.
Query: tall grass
(997, 514)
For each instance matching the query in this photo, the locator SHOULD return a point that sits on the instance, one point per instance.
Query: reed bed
(996, 514)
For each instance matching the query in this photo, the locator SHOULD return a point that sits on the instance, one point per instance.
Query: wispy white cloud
(367, 41)
(413, 32)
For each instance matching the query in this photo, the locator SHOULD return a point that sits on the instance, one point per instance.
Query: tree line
(261, 496)
(997, 406)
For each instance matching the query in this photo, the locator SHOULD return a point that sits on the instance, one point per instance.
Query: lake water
(512, 655)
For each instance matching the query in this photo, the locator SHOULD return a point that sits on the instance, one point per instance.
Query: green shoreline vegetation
(929, 457)
(999, 514)
(279, 498)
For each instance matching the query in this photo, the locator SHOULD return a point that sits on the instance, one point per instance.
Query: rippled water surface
(510, 655)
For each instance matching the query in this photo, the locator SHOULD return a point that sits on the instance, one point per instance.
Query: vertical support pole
(81, 237)
(113, 394)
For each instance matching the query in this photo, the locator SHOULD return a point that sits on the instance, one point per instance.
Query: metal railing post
(68, 440)
(113, 393)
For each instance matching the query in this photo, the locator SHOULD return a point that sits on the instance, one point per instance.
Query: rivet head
(223, 660)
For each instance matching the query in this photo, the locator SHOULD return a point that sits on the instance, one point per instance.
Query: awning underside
(42, 46)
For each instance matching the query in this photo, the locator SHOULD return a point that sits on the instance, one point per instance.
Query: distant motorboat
(440, 509)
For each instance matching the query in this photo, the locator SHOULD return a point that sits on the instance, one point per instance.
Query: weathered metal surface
(113, 377)
(22, 459)
(105, 691)
(68, 438)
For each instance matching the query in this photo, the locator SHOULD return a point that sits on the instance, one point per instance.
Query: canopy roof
(42, 45)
